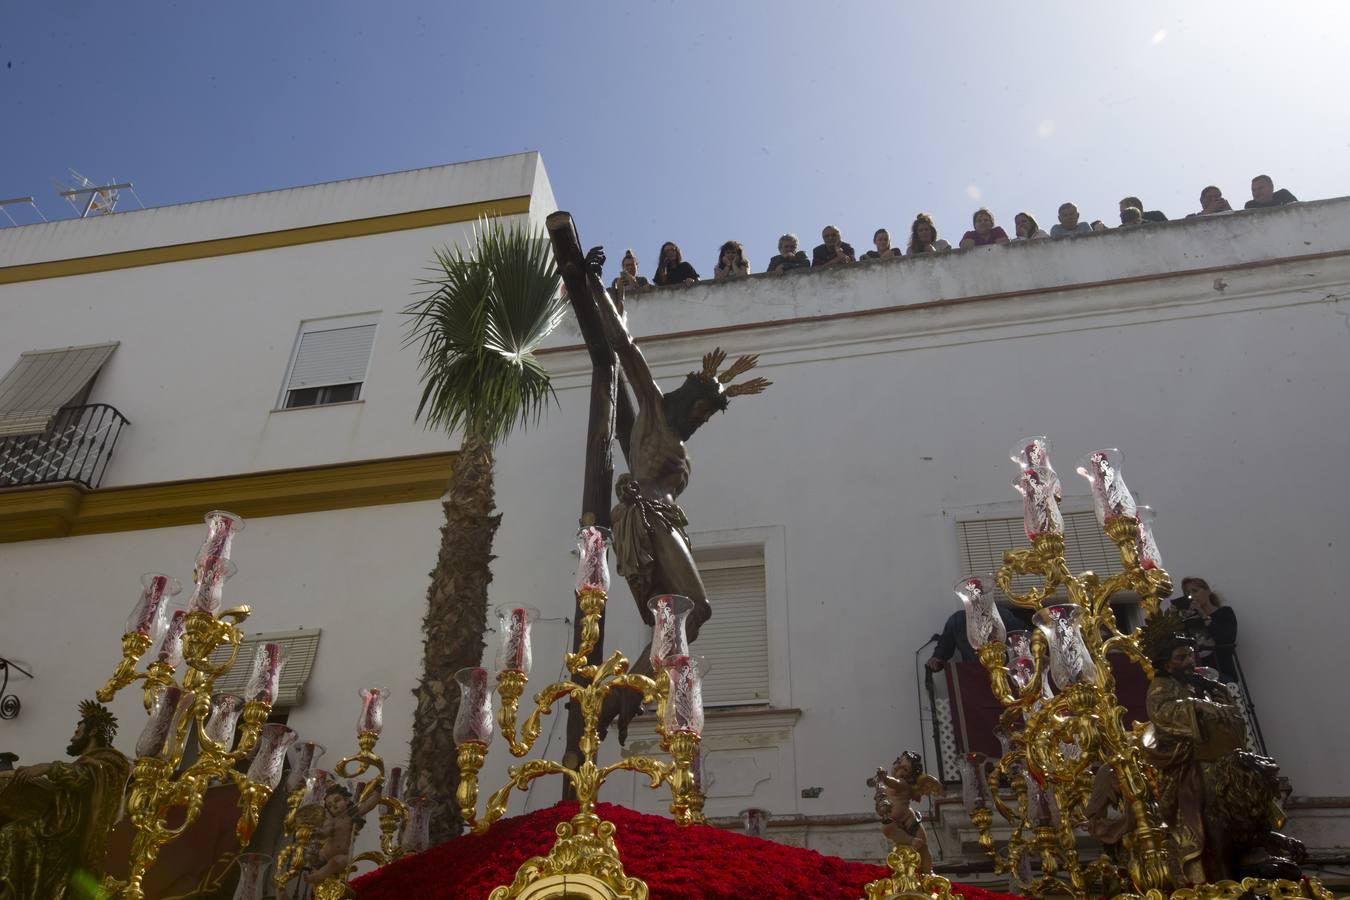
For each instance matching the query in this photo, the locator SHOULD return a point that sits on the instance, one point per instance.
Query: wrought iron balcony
(77, 447)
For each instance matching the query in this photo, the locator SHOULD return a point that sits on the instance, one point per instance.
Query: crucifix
(651, 546)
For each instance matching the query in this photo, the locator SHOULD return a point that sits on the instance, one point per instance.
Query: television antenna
(19, 201)
(90, 199)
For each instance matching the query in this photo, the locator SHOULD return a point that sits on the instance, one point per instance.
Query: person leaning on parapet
(1027, 228)
(881, 239)
(629, 280)
(1069, 225)
(833, 252)
(673, 269)
(1150, 215)
(1212, 625)
(1212, 203)
(985, 231)
(1131, 217)
(731, 262)
(1265, 196)
(789, 257)
(923, 236)
(954, 642)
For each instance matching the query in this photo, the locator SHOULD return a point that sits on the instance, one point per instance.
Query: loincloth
(636, 520)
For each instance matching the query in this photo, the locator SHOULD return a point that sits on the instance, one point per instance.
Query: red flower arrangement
(696, 863)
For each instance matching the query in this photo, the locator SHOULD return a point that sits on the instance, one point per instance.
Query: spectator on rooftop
(923, 237)
(1212, 203)
(1026, 227)
(881, 238)
(628, 279)
(1069, 225)
(1131, 216)
(834, 252)
(731, 262)
(789, 257)
(1265, 196)
(985, 231)
(673, 269)
(1151, 215)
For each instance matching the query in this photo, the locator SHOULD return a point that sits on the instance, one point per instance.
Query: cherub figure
(336, 835)
(895, 791)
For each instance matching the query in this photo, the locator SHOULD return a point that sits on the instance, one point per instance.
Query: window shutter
(43, 381)
(331, 356)
(736, 640)
(298, 650)
(1086, 546)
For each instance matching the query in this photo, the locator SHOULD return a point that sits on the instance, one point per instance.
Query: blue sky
(689, 121)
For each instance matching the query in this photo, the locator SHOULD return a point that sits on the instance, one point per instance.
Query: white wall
(1227, 392)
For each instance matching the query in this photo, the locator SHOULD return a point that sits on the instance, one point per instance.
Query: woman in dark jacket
(672, 269)
(1213, 625)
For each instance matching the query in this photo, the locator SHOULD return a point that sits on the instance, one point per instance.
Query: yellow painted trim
(62, 510)
(266, 240)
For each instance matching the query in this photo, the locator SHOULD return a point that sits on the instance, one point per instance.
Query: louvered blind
(43, 381)
(331, 356)
(736, 639)
(298, 650)
(1085, 546)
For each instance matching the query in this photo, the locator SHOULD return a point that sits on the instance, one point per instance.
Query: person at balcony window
(1151, 215)
(1069, 225)
(1265, 196)
(673, 269)
(789, 258)
(1131, 216)
(881, 239)
(954, 642)
(1027, 228)
(1212, 203)
(985, 231)
(1212, 625)
(833, 252)
(629, 280)
(731, 262)
(923, 236)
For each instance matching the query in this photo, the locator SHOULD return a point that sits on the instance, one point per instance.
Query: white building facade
(830, 514)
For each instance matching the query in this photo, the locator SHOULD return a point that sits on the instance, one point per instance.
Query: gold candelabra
(585, 846)
(306, 813)
(1054, 737)
(161, 781)
(1062, 725)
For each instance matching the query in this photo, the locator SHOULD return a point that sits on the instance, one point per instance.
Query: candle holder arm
(509, 690)
(134, 645)
(519, 778)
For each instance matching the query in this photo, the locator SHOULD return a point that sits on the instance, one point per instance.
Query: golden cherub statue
(906, 783)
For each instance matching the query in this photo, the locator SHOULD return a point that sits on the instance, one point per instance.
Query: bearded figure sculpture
(1220, 801)
(55, 817)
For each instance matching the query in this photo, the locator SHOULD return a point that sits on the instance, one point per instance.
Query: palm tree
(485, 314)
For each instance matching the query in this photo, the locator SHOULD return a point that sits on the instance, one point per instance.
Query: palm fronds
(484, 315)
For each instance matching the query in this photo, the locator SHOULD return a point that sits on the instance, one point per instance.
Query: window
(1086, 546)
(329, 362)
(298, 649)
(736, 640)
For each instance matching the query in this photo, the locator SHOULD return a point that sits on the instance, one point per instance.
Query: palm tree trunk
(456, 620)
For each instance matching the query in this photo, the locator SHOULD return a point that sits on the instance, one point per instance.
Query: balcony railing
(76, 448)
